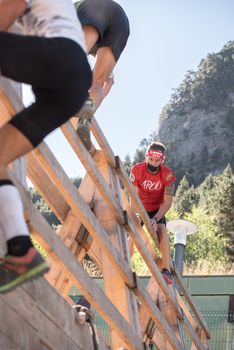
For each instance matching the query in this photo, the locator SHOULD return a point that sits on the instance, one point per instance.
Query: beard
(152, 168)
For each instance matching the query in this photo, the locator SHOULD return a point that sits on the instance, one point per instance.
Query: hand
(140, 222)
(154, 225)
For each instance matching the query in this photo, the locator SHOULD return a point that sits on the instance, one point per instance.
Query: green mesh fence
(220, 325)
(221, 331)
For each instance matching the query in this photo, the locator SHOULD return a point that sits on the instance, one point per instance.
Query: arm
(108, 84)
(167, 201)
(10, 10)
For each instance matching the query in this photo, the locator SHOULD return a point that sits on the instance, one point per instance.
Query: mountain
(197, 125)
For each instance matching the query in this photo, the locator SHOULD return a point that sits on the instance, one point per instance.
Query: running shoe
(15, 270)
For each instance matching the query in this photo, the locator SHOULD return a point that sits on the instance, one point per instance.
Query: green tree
(207, 244)
(127, 163)
(204, 194)
(185, 198)
(44, 209)
(223, 208)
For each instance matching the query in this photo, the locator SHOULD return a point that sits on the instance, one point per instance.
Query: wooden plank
(138, 206)
(191, 304)
(156, 274)
(72, 224)
(46, 301)
(46, 188)
(94, 173)
(149, 329)
(114, 285)
(203, 338)
(124, 246)
(187, 312)
(162, 284)
(169, 315)
(60, 253)
(101, 139)
(82, 210)
(69, 234)
(6, 343)
(16, 328)
(192, 334)
(156, 315)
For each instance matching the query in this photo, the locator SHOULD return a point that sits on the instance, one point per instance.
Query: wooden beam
(169, 315)
(101, 139)
(114, 285)
(156, 274)
(60, 253)
(92, 170)
(46, 188)
(191, 304)
(82, 210)
(156, 315)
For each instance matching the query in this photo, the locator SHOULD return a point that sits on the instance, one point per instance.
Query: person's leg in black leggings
(60, 76)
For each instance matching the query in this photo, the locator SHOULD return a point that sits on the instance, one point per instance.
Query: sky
(168, 38)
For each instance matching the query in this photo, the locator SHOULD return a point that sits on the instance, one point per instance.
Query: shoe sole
(84, 133)
(34, 273)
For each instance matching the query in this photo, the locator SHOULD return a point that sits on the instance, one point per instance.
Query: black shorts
(60, 76)
(109, 19)
(153, 213)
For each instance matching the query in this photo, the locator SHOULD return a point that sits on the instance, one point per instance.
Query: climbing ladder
(98, 219)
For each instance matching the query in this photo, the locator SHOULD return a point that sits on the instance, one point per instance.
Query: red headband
(154, 154)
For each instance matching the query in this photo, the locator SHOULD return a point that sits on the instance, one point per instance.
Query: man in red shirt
(155, 183)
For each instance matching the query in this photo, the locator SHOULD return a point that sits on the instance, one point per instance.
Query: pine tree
(223, 200)
(204, 194)
(185, 198)
(127, 163)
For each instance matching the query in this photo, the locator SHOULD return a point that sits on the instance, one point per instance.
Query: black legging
(60, 75)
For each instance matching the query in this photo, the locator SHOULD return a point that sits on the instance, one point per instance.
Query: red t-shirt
(151, 186)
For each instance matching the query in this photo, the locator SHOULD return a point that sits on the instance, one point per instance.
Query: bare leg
(13, 144)
(164, 246)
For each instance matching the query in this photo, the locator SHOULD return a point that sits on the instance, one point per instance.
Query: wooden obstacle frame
(98, 219)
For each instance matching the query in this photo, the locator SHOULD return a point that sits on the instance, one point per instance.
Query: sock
(12, 219)
(18, 246)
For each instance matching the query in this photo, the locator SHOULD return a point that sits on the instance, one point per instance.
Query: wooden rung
(46, 188)
(88, 162)
(71, 207)
(133, 232)
(82, 211)
(58, 252)
(156, 315)
(191, 304)
(103, 143)
(192, 334)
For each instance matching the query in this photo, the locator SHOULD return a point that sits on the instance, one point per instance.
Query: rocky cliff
(197, 125)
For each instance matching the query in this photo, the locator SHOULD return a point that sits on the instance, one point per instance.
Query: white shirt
(51, 19)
